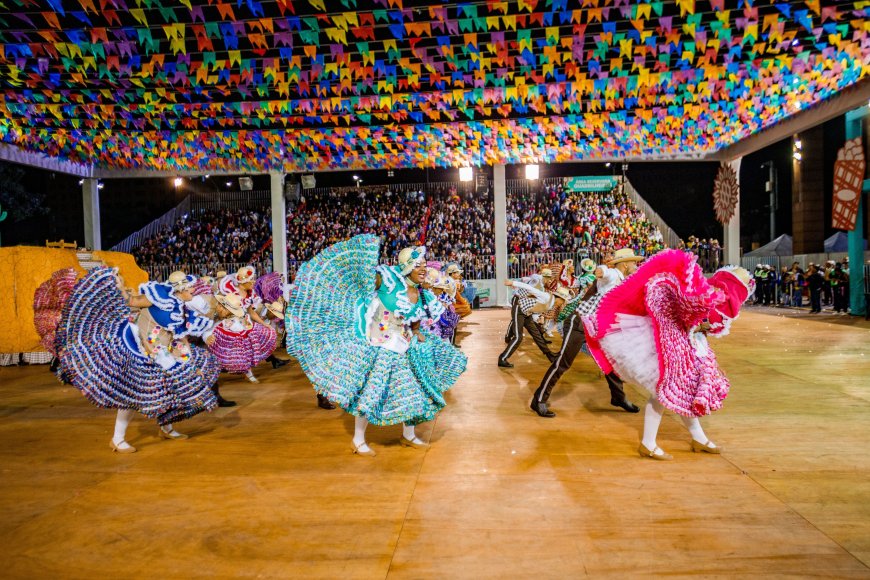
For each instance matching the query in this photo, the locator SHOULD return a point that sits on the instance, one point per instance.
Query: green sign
(591, 183)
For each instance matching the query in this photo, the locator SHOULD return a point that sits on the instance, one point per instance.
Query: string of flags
(320, 84)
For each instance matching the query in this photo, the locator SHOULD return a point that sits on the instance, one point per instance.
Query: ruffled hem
(239, 352)
(111, 372)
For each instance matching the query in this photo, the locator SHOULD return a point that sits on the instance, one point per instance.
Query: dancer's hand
(421, 338)
(210, 340)
(508, 282)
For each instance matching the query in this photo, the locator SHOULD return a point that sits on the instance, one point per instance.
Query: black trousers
(815, 300)
(519, 321)
(574, 338)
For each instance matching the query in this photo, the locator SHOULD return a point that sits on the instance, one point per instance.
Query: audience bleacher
(456, 225)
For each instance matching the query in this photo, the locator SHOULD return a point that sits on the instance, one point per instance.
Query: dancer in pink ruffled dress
(652, 330)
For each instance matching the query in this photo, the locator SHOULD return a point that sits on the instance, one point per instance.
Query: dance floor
(270, 488)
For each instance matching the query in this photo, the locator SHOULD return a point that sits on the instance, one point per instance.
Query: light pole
(771, 187)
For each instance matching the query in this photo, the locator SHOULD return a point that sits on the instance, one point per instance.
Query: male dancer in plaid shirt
(624, 263)
(524, 305)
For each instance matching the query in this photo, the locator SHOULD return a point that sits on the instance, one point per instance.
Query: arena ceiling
(259, 85)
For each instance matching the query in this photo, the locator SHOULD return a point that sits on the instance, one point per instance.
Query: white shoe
(251, 377)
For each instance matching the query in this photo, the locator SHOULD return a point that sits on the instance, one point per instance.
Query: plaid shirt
(609, 280)
(526, 301)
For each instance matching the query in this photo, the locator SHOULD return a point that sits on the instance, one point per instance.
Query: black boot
(324, 403)
(276, 362)
(539, 407)
(55, 362)
(221, 401)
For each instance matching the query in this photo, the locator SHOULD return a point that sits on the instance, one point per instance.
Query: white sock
(122, 420)
(652, 418)
(251, 376)
(359, 433)
(694, 427)
(409, 433)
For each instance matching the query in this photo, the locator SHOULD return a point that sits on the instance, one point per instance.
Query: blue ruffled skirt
(383, 386)
(99, 355)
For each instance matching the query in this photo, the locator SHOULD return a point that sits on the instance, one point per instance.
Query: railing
(136, 239)
(464, 186)
(669, 236)
(214, 200)
(161, 272)
(521, 265)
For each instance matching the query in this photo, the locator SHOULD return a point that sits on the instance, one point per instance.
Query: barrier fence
(216, 200)
(168, 219)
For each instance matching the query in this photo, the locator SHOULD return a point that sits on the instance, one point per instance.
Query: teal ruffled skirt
(368, 381)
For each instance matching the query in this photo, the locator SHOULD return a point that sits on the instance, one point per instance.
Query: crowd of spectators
(551, 219)
(209, 237)
(455, 223)
(819, 285)
(709, 252)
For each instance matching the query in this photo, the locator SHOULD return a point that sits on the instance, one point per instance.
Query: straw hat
(453, 269)
(433, 277)
(276, 308)
(232, 303)
(625, 255)
(411, 258)
(546, 273)
(587, 264)
(180, 281)
(563, 293)
(246, 274)
(220, 274)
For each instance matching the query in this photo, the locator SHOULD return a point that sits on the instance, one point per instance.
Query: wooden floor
(270, 489)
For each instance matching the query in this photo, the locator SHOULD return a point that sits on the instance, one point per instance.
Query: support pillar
(91, 203)
(731, 234)
(501, 265)
(854, 128)
(279, 225)
(808, 200)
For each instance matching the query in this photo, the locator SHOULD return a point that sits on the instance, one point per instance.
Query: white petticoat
(630, 346)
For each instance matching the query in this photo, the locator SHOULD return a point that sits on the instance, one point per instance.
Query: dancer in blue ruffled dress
(354, 326)
(144, 364)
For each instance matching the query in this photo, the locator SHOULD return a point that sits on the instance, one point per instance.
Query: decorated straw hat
(246, 274)
(625, 255)
(568, 263)
(433, 277)
(546, 273)
(587, 264)
(562, 293)
(180, 281)
(231, 302)
(276, 308)
(220, 274)
(453, 269)
(411, 258)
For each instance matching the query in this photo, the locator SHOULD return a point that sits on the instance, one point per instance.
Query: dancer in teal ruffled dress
(354, 326)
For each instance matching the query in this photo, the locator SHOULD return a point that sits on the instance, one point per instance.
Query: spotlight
(607, 164)
(178, 181)
(229, 183)
(797, 155)
(81, 181)
(532, 172)
(466, 174)
(356, 177)
(797, 144)
(100, 186)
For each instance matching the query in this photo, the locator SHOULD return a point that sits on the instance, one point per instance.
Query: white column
(279, 225)
(91, 203)
(731, 239)
(501, 265)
